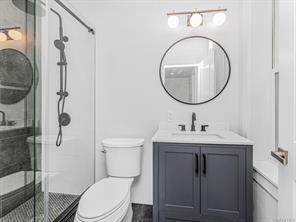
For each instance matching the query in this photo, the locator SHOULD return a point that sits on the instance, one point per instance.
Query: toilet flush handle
(104, 151)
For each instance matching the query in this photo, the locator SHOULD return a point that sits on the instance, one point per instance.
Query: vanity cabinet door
(223, 182)
(171, 217)
(179, 180)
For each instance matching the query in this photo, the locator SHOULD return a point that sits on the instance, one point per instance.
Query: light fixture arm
(10, 28)
(198, 12)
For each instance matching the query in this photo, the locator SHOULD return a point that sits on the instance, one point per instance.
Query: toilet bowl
(109, 199)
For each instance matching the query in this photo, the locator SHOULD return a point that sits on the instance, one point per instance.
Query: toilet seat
(116, 216)
(107, 200)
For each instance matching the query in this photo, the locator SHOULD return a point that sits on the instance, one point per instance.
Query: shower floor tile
(25, 212)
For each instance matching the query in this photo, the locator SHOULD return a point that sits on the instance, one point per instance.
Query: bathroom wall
(132, 37)
(257, 83)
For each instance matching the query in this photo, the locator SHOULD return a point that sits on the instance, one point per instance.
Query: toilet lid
(123, 142)
(104, 197)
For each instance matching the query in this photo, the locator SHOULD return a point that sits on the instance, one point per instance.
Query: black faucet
(183, 127)
(203, 128)
(193, 118)
(3, 121)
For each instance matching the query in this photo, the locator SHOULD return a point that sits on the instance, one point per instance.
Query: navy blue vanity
(198, 181)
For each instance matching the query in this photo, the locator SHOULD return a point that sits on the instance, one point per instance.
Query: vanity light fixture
(219, 18)
(10, 34)
(173, 21)
(195, 18)
(15, 35)
(3, 37)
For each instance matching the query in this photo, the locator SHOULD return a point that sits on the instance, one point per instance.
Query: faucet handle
(203, 128)
(183, 127)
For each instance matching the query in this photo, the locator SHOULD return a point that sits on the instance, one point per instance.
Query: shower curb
(68, 214)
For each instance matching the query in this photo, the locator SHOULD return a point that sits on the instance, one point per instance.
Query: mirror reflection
(16, 76)
(195, 70)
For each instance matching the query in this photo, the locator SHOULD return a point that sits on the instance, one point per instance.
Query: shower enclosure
(47, 109)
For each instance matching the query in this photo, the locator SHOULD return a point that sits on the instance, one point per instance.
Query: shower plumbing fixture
(64, 118)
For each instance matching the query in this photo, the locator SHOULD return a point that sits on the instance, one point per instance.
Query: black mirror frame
(191, 37)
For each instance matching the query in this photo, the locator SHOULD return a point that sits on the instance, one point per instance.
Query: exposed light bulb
(15, 35)
(3, 37)
(211, 45)
(195, 20)
(173, 21)
(219, 18)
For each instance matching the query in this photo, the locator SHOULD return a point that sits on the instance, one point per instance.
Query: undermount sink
(206, 136)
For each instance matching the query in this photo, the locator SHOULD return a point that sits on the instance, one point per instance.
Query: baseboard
(142, 212)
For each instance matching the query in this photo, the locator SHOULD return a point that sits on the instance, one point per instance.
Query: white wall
(257, 104)
(265, 205)
(132, 37)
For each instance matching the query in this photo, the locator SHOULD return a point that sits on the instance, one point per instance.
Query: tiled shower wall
(14, 151)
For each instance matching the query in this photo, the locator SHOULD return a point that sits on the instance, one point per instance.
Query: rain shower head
(29, 7)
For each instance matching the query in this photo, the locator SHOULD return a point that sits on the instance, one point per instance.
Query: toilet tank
(123, 156)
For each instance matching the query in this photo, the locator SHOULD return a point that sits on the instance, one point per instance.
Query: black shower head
(65, 38)
(59, 44)
(29, 7)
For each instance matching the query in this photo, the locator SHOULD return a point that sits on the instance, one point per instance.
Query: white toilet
(109, 199)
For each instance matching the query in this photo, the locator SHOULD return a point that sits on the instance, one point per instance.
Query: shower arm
(61, 34)
(60, 22)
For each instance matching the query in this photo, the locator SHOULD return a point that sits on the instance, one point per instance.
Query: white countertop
(210, 137)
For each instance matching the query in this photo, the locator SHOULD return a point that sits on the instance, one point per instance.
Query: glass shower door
(47, 109)
(65, 148)
(18, 82)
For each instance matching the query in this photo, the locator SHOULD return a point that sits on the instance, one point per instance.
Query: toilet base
(125, 218)
(129, 214)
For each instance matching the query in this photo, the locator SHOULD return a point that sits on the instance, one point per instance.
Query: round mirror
(195, 70)
(16, 76)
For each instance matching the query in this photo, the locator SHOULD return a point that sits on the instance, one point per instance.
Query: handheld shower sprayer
(59, 44)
